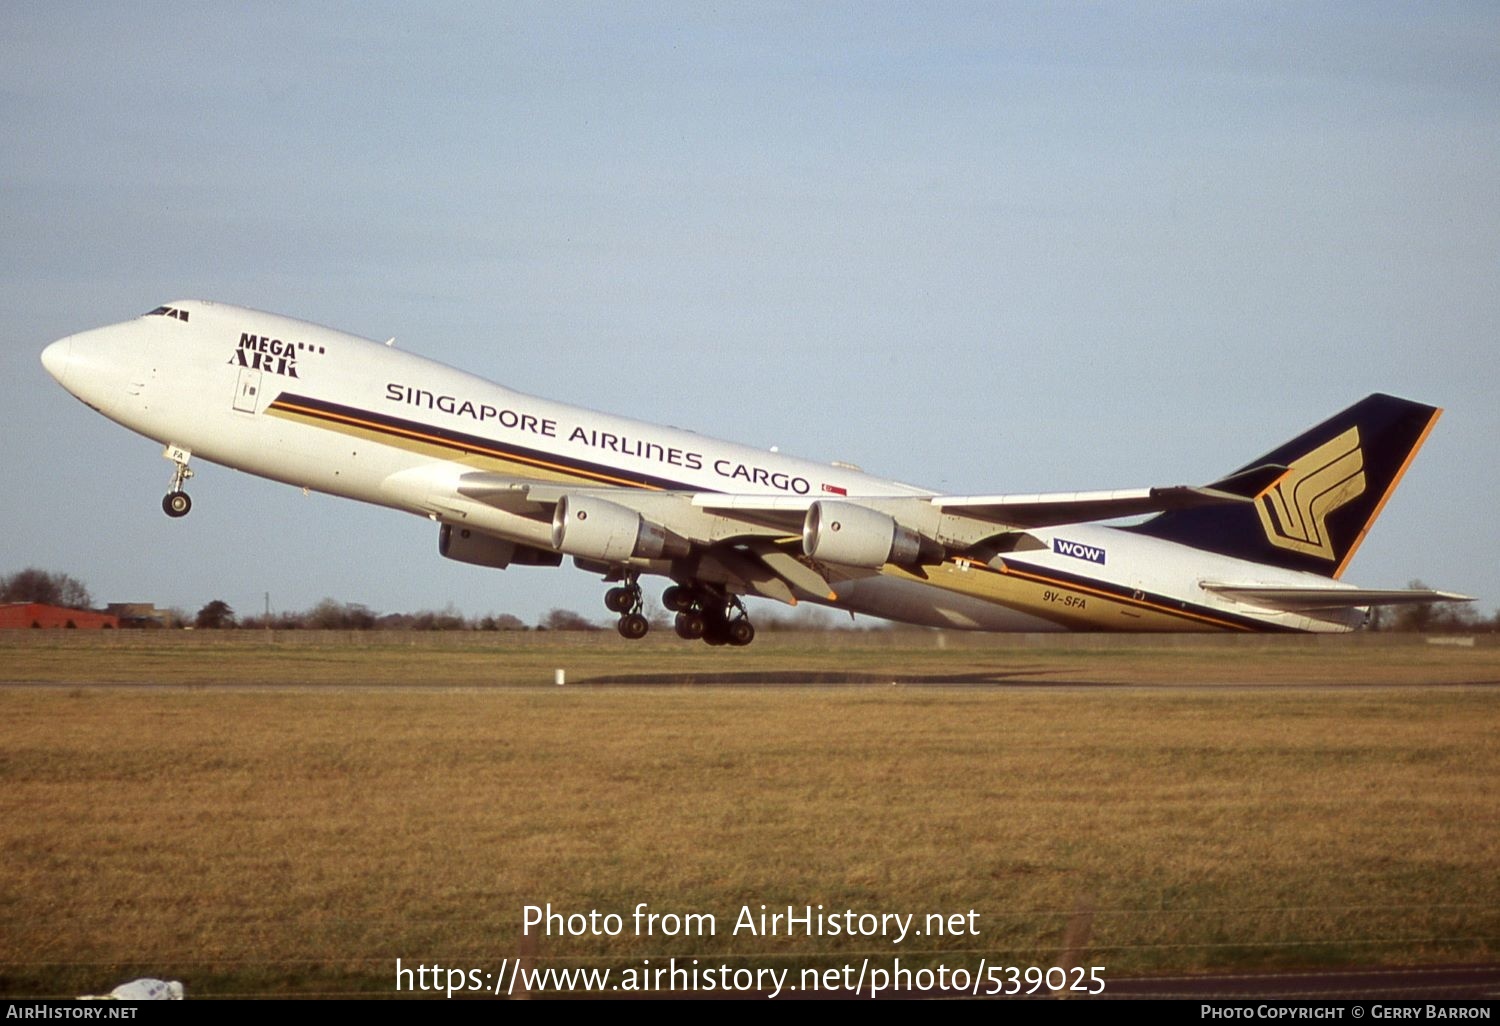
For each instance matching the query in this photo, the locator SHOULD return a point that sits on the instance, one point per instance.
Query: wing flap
(793, 571)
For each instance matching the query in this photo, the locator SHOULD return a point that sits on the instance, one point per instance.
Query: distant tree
(33, 585)
(1414, 618)
(1457, 616)
(325, 616)
(807, 619)
(503, 622)
(448, 620)
(276, 621)
(329, 615)
(1430, 617)
(215, 616)
(565, 620)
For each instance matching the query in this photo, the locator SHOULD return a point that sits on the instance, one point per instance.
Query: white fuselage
(321, 409)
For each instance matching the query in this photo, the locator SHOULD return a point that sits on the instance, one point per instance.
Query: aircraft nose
(55, 358)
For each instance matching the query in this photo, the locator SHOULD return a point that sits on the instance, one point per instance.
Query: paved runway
(1410, 983)
(988, 681)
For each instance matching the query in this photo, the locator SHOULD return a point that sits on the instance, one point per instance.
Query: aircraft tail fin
(1332, 483)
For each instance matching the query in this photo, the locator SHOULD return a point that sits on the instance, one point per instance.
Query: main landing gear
(706, 614)
(716, 617)
(176, 502)
(626, 600)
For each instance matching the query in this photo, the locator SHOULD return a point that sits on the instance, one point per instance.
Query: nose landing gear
(176, 502)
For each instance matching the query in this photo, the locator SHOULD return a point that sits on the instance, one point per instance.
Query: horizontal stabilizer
(1307, 599)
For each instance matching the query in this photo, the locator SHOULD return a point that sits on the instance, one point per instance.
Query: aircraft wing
(1297, 599)
(1049, 509)
(754, 554)
(785, 513)
(1006, 511)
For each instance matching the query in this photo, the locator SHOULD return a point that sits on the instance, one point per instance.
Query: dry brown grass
(301, 840)
(252, 658)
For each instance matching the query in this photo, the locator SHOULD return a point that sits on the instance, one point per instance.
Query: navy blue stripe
(474, 444)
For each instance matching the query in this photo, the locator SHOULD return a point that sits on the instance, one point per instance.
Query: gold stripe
(383, 430)
(1104, 615)
(1327, 478)
(1122, 600)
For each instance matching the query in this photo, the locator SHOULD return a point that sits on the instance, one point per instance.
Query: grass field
(295, 812)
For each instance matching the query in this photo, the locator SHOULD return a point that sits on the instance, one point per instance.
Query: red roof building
(34, 614)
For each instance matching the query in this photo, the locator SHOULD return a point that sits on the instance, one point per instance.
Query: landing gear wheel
(727, 623)
(626, 600)
(690, 626)
(740, 632)
(633, 626)
(176, 504)
(677, 598)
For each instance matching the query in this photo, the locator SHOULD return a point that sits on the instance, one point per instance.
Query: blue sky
(980, 247)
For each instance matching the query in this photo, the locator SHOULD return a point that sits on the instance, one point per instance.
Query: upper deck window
(168, 311)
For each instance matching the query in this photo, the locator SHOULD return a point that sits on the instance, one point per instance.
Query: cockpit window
(168, 311)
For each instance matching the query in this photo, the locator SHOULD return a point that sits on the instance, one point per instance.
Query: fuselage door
(247, 390)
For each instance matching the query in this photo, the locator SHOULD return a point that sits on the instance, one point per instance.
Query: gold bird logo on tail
(1294, 511)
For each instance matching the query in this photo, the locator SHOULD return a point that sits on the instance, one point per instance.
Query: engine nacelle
(841, 532)
(597, 529)
(468, 546)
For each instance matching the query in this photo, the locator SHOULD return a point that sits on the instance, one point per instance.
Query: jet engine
(841, 532)
(482, 549)
(597, 529)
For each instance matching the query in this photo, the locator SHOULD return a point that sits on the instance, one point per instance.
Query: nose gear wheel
(176, 502)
